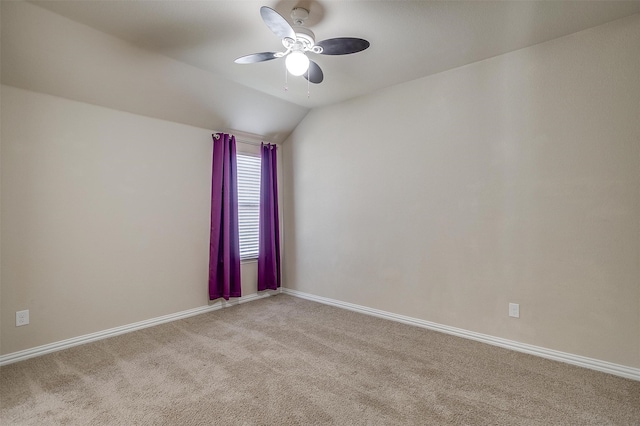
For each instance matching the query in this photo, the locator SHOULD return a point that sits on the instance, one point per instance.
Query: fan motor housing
(306, 36)
(305, 41)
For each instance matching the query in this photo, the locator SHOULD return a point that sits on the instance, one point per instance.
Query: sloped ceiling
(409, 39)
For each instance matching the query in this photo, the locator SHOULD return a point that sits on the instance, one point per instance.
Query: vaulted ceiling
(409, 39)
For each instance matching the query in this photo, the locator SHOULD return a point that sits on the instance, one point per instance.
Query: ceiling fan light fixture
(297, 63)
(297, 41)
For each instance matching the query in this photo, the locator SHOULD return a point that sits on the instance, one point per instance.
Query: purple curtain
(224, 244)
(269, 245)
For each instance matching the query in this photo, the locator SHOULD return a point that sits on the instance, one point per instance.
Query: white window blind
(248, 204)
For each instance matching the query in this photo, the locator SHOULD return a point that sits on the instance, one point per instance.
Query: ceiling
(409, 39)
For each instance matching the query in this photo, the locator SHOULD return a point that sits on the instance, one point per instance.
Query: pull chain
(286, 80)
(286, 83)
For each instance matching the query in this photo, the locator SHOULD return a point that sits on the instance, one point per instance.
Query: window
(248, 204)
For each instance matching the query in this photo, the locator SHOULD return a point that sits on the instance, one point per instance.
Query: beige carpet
(283, 360)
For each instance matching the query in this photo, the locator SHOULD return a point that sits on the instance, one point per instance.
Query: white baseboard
(87, 338)
(594, 364)
(591, 363)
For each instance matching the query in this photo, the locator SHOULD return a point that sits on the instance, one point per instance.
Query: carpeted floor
(284, 361)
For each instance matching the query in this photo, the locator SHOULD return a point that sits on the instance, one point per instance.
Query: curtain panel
(269, 238)
(224, 243)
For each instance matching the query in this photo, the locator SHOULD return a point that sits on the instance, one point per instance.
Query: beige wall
(514, 179)
(105, 218)
(105, 213)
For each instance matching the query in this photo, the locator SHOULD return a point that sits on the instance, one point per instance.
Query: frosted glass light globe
(297, 63)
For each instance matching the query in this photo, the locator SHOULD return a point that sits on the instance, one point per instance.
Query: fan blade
(256, 57)
(314, 73)
(276, 23)
(342, 45)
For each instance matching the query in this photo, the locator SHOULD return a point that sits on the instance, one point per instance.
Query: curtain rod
(248, 142)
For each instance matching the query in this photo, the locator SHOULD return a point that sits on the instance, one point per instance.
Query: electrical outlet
(22, 318)
(514, 310)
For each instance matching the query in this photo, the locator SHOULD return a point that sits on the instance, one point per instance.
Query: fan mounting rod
(299, 15)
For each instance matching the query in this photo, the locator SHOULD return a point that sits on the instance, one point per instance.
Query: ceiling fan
(298, 41)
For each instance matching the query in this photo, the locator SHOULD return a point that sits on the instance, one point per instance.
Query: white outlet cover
(514, 310)
(22, 318)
